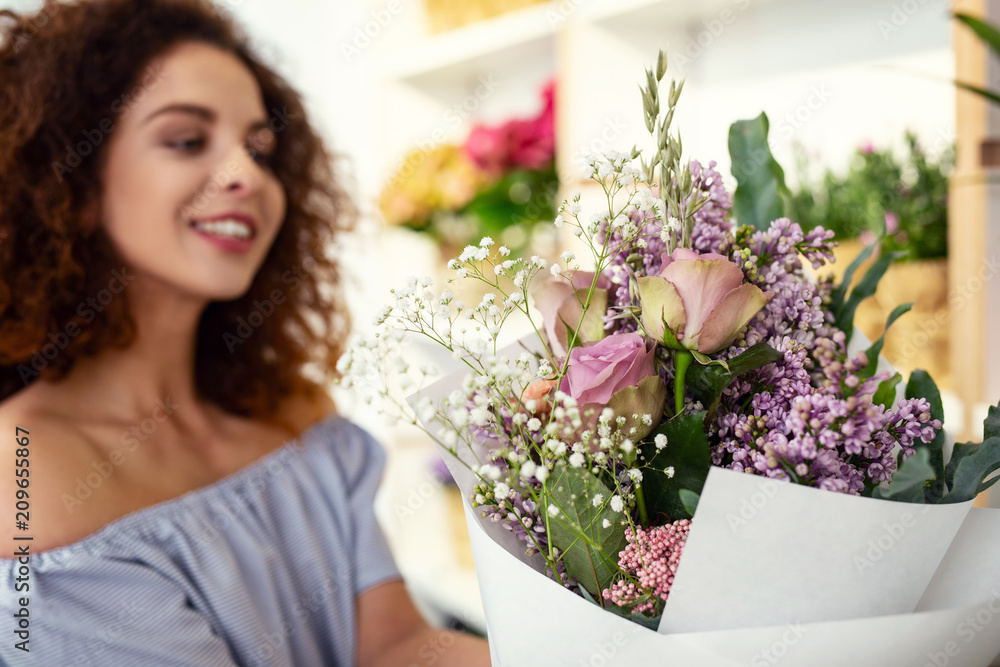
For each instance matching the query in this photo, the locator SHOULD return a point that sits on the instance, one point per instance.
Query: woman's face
(188, 199)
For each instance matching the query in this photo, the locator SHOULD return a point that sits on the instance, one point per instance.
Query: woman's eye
(187, 144)
(261, 157)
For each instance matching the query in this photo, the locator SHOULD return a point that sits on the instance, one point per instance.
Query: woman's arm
(392, 633)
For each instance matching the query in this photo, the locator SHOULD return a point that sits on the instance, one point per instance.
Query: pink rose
(618, 372)
(698, 302)
(559, 301)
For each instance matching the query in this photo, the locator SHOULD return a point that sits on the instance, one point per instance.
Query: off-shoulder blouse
(259, 568)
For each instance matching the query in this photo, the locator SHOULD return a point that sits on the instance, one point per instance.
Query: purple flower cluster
(809, 417)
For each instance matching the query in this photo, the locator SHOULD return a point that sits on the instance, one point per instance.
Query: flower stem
(640, 501)
(682, 359)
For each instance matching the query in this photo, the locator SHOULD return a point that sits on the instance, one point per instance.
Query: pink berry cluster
(650, 562)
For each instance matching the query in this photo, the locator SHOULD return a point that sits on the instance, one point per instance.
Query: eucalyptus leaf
(687, 451)
(972, 471)
(589, 550)
(958, 454)
(910, 479)
(991, 425)
(922, 385)
(761, 191)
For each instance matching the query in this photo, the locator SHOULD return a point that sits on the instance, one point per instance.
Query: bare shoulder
(38, 453)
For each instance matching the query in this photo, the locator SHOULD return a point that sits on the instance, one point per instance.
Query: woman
(186, 493)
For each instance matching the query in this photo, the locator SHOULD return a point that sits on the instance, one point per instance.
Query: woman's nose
(244, 175)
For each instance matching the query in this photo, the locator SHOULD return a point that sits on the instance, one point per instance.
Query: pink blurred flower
(891, 222)
(698, 302)
(524, 143)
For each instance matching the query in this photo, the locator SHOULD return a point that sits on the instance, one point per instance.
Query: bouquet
(694, 453)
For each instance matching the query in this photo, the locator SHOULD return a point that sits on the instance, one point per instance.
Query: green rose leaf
(706, 383)
(589, 550)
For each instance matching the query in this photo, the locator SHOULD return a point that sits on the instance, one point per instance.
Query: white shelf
(527, 33)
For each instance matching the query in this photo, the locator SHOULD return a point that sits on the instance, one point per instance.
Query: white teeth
(229, 227)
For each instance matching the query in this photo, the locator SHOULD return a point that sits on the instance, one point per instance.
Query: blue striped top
(259, 568)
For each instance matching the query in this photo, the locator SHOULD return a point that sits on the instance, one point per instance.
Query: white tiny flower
(558, 222)
(501, 491)
(669, 470)
(597, 499)
(480, 416)
(534, 424)
(555, 270)
(542, 474)
(553, 511)
(577, 460)
(660, 441)
(616, 503)
(504, 252)
(528, 469)
(626, 446)
(635, 474)
(486, 242)
(606, 524)
(568, 257)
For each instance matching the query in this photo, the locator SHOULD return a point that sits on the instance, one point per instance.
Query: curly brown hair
(66, 74)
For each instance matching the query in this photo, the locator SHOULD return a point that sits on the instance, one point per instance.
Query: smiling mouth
(226, 229)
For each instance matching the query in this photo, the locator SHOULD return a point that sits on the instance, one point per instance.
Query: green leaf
(958, 454)
(922, 385)
(991, 425)
(589, 550)
(840, 292)
(972, 470)
(982, 92)
(876, 347)
(706, 383)
(690, 500)
(844, 319)
(910, 479)
(986, 31)
(885, 395)
(687, 451)
(761, 191)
